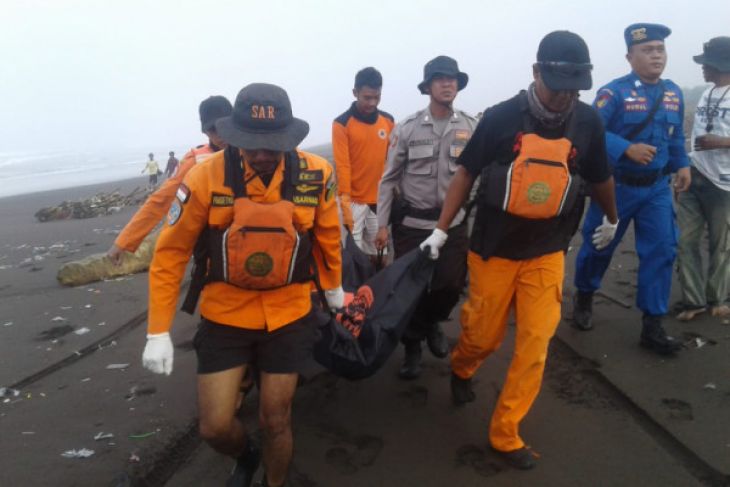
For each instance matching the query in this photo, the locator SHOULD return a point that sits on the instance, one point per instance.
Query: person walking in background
(643, 115)
(158, 203)
(360, 146)
(172, 164)
(533, 154)
(153, 170)
(707, 203)
(421, 162)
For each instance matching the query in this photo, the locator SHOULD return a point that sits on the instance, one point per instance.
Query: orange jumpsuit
(158, 203)
(204, 199)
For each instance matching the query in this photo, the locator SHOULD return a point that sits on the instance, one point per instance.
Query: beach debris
(88, 306)
(82, 331)
(7, 392)
(137, 391)
(142, 436)
(86, 379)
(80, 453)
(710, 385)
(102, 203)
(55, 333)
(27, 432)
(58, 318)
(8, 323)
(133, 458)
(117, 366)
(103, 436)
(98, 267)
(102, 323)
(3, 267)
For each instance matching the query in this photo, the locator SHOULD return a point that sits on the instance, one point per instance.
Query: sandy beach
(609, 414)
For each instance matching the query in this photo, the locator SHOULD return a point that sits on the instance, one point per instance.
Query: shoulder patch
(183, 193)
(175, 212)
(330, 188)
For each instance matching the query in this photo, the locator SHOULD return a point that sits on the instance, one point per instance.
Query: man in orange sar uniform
(273, 330)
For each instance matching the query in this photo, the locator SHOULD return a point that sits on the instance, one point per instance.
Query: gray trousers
(704, 205)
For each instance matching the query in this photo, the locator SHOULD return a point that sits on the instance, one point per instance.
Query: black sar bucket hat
(716, 53)
(262, 119)
(211, 109)
(564, 62)
(442, 65)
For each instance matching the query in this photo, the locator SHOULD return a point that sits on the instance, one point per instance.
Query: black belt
(424, 213)
(642, 179)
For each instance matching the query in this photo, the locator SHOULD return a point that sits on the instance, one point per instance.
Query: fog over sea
(30, 172)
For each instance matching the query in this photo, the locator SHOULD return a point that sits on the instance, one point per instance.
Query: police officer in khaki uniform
(421, 162)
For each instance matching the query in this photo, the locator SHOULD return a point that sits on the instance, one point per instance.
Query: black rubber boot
(462, 391)
(246, 466)
(411, 368)
(436, 341)
(654, 338)
(522, 458)
(583, 310)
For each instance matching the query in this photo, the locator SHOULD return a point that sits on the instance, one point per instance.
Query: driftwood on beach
(102, 203)
(98, 267)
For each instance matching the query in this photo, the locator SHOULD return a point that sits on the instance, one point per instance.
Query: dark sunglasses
(565, 68)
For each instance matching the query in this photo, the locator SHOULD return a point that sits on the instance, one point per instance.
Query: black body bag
(358, 341)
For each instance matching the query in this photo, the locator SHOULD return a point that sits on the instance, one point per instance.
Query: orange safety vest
(538, 183)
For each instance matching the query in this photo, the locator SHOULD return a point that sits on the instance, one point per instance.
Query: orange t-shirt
(158, 203)
(360, 147)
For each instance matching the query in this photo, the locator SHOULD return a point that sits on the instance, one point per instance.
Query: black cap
(643, 32)
(442, 65)
(564, 62)
(262, 119)
(211, 109)
(716, 53)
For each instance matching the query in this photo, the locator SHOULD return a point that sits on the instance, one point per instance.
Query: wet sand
(609, 413)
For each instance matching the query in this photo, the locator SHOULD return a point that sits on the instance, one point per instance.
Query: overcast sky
(124, 74)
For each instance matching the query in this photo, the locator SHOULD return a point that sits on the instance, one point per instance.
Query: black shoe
(461, 390)
(654, 338)
(522, 458)
(583, 310)
(411, 368)
(436, 341)
(246, 465)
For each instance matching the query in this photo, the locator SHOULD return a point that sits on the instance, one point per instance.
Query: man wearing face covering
(534, 153)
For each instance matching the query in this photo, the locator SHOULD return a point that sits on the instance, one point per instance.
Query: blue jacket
(624, 103)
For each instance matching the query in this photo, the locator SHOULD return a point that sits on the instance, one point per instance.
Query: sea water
(30, 172)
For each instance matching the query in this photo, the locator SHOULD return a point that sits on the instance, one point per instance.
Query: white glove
(434, 242)
(335, 298)
(604, 234)
(157, 355)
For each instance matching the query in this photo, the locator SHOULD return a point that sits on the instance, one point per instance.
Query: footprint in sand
(416, 396)
(476, 458)
(678, 409)
(362, 451)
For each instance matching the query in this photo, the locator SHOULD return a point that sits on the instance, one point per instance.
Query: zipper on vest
(544, 162)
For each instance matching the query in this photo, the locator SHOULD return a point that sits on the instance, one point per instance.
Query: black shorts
(286, 350)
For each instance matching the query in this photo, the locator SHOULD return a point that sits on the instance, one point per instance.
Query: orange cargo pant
(534, 287)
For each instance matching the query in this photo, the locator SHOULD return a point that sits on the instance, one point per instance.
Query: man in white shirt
(708, 200)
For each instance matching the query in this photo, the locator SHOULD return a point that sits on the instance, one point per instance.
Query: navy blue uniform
(642, 192)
